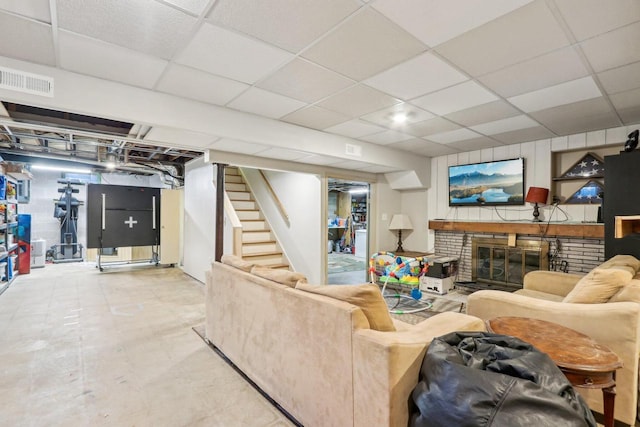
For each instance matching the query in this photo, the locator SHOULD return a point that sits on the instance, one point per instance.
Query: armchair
(614, 323)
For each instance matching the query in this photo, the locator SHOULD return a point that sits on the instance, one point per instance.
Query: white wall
(301, 195)
(537, 156)
(199, 218)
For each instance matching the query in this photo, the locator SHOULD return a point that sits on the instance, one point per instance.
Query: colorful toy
(385, 267)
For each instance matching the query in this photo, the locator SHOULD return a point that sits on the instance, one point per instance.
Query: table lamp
(400, 222)
(537, 195)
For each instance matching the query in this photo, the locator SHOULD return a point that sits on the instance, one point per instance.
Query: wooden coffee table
(583, 361)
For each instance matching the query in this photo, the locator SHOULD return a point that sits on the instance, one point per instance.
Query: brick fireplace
(575, 248)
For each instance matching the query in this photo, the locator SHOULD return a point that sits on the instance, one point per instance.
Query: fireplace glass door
(497, 263)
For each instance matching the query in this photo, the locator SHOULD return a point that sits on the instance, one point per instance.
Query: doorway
(347, 236)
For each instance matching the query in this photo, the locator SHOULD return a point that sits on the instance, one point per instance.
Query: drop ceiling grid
(353, 65)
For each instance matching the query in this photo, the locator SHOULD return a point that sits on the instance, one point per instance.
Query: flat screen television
(493, 183)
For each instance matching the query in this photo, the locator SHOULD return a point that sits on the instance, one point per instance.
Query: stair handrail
(279, 204)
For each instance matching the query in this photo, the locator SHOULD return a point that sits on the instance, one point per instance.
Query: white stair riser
(267, 260)
(254, 225)
(244, 206)
(256, 249)
(256, 237)
(233, 179)
(230, 186)
(239, 195)
(242, 215)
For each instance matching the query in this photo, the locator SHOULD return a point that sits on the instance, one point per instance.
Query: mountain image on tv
(498, 182)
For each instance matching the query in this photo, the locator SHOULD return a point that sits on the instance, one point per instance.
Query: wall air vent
(21, 81)
(353, 150)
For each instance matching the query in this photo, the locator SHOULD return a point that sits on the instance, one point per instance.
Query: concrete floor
(84, 348)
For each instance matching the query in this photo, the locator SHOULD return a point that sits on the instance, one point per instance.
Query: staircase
(258, 243)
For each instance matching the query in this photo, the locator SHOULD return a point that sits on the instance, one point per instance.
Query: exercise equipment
(66, 211)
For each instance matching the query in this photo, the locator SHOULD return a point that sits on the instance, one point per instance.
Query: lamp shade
(400, 222)
(537, 195)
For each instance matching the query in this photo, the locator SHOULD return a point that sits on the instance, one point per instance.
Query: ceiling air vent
(20, 81)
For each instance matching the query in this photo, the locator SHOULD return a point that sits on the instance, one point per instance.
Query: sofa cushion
(630, 292)
(237, 262)
(599, 285)
(285, 277)
(540, 295)
(367, 297)
(623, 261)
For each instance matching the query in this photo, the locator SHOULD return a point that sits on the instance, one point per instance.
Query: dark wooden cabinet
(621, 197)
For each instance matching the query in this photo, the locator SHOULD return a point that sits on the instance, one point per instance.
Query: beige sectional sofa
(315, 353)
(604, 304)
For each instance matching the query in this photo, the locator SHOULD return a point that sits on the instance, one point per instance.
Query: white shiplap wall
(537, 155)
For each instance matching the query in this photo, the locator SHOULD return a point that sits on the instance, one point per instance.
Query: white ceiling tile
(506, 125)
(613, 49)
(523, 135)
(455, 98)
(288, 24)
(358, 100)
(195, 84)
(453, 136)
(587, 18)
(194, 6)
(563, 93)
(231, 55)
(108, 61)
(364, 45)
(484, 113)
(527, 32)
(592, 114)
(559, 66)
(25, 39)
(236, 146)
(627, 104)
(283, 154)
(423, 74)
(179, 137)
(144, 25)
(355, 129)
(430, 127)
(305, 81)
(435, 22)
(621, 79)
(315, 118)
(423, 147)
(387, 137)
(475, 144)
(265, 103)
(385, 116)
(34, 9)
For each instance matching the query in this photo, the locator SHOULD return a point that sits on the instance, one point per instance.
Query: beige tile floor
(84, 348)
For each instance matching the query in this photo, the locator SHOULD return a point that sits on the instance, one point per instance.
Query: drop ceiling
(468, 74)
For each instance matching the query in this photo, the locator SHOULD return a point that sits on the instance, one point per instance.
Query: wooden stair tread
(261, 254)
(261, 242)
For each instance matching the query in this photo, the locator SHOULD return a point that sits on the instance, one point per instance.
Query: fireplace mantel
(576, 229)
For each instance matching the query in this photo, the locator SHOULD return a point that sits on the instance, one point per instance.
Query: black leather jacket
(482, 379)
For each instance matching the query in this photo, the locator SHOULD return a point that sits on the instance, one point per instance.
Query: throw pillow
(237, 262)
(367, 297)
(629, 292)
(622, 260)
(285, 277)
(599, 285)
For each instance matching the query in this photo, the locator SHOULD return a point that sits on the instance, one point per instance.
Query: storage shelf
(627, 225)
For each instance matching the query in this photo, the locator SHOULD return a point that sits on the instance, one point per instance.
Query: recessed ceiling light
(399, 118)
